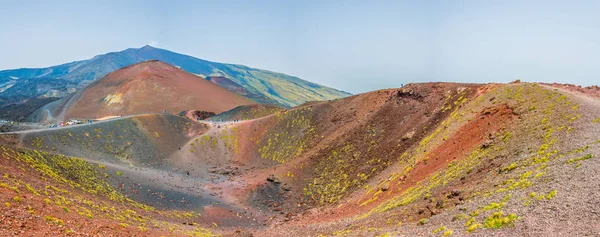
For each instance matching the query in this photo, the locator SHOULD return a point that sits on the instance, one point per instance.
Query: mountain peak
(153, 66)
(83, 72)
(146, 47)
(150, 87)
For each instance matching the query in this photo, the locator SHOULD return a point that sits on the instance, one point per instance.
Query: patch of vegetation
(510, 167)
(473, 227)
(289, 137)
(495, 205)
(55, 220)
(332, 180)
(296, 133)
(577, 160)
(499, 220)
(438, 179)
(247, 112)
(230, 139)
(37, 142)
(32, 190)
(73, 172)
(551, 194)
(440, 229)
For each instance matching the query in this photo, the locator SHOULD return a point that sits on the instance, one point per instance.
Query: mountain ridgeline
(259, 85)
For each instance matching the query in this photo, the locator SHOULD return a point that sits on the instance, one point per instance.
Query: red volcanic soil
(481, 131)
(151, 87)
(25, 213)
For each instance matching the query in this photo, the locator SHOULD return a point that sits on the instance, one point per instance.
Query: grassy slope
(53, 194)
(281, 88)
(144, 140)
(246, 112)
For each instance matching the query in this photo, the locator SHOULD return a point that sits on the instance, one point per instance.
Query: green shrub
(499, 220)
(510, 167)
(551, 195)
(586, 157)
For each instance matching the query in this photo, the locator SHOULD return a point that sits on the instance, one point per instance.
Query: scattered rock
(224, 171)
(272, 178)
(385, 187)
(487, 143)
(408, 135)
(439, 204)
(410, 94)
(454, 193)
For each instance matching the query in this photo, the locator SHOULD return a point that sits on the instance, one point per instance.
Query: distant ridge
(260, 85)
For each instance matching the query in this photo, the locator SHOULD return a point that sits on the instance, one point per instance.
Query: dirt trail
(588, 98)
(61, 116)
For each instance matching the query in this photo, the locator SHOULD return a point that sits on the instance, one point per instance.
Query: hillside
(260, 85)
(246, 112)
(149, 87)
(21, 110)
(47, 87)
(431, 159)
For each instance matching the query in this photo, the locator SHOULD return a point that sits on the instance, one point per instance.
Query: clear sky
(355, 46)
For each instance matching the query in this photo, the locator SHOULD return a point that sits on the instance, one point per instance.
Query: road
(212, 124)
(67, 127)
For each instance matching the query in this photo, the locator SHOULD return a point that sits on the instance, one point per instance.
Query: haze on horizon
(355, 46)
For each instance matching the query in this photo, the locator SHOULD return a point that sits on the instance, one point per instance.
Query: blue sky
(356, 46)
